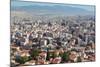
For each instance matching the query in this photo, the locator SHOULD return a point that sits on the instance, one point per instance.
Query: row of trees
(35, 53)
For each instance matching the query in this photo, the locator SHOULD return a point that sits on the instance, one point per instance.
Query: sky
(16, 3)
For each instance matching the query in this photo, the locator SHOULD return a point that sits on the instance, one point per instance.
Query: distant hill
(52, 10)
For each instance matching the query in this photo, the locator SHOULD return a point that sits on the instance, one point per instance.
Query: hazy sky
(24, 3)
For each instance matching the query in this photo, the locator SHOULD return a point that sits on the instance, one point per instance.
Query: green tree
(48, 56)
(65, 57)
(79, 59)
(22, 60)
(54, 55)
(34, 53)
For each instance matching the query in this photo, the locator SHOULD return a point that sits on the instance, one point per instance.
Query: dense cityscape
(46, 33)
(67, 39)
